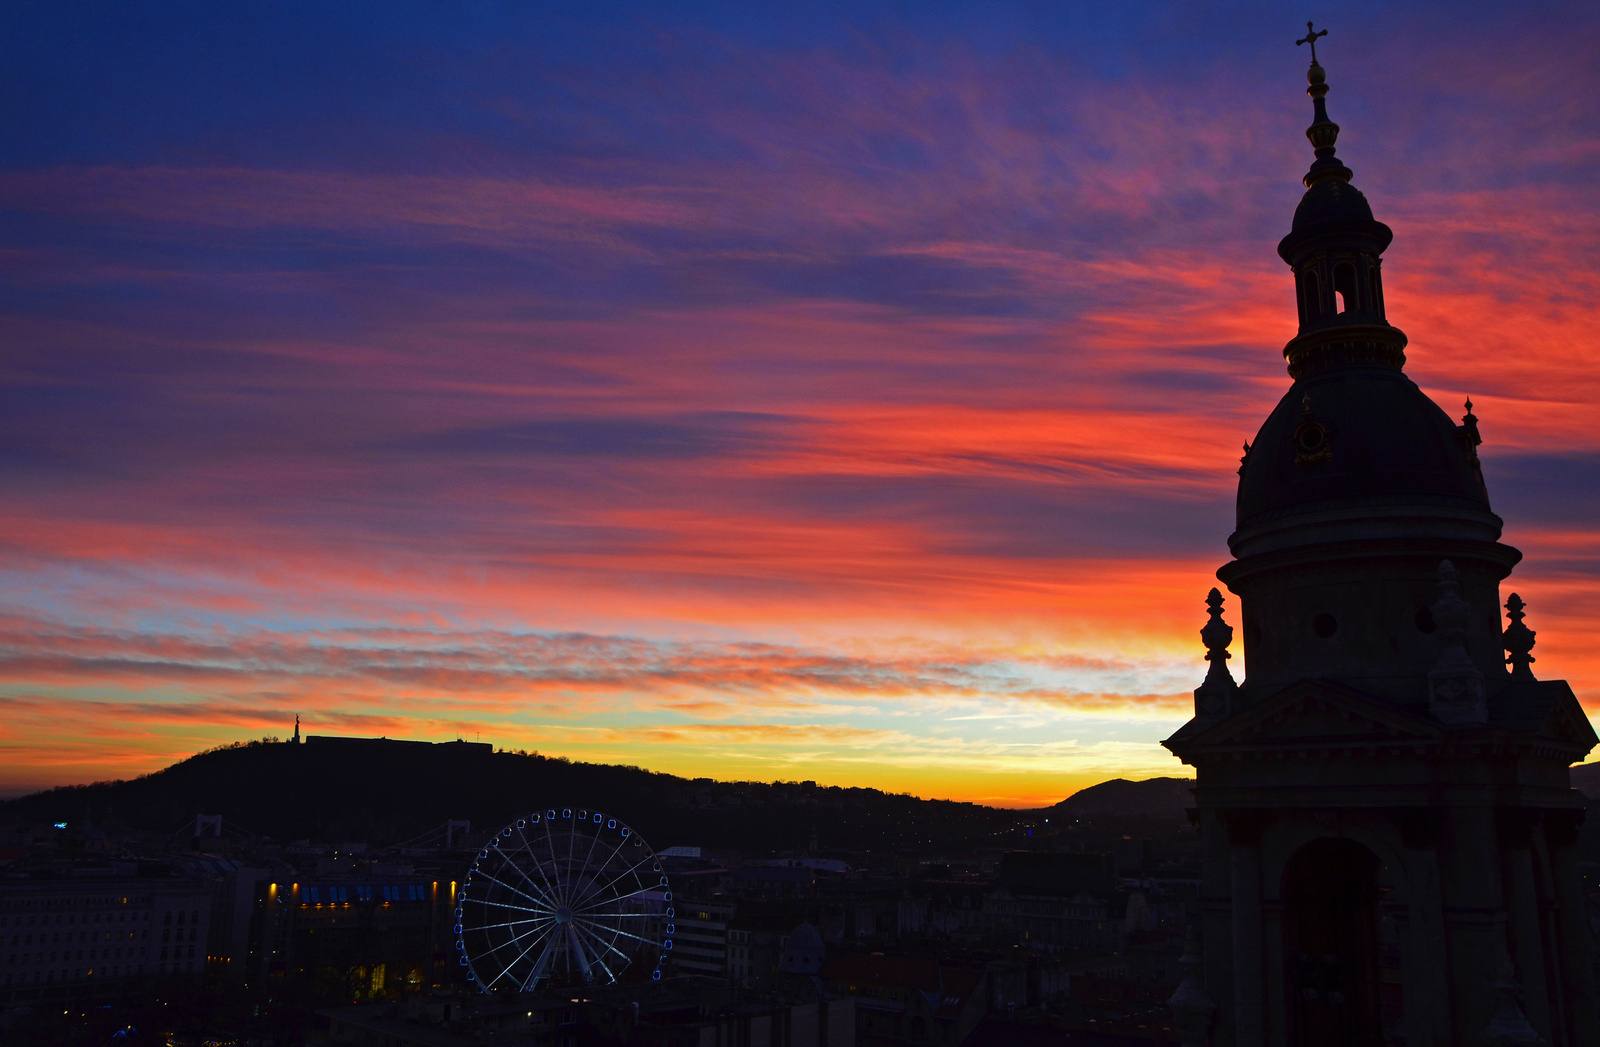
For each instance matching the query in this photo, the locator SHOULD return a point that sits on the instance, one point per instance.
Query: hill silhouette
(386, 792)
(1157, 799)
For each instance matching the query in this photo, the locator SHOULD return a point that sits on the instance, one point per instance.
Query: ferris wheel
(562, 896)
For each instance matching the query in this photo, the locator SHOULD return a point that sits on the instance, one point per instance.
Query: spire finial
(1322, 132)
(1311, 38)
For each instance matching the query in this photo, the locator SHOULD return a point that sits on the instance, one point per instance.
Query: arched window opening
(1332, 945)
(1312, 293)
(1344, 285)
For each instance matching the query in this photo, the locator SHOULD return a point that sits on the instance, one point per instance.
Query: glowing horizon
(752, 396)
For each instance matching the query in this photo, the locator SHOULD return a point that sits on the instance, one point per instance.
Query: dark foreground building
(1387, 816)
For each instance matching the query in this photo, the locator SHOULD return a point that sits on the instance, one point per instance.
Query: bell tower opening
(1344, 285)
(1330, 943)
(1310, 297)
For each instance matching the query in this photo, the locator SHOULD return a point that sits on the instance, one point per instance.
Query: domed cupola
(1353, 436)
(1356, 474)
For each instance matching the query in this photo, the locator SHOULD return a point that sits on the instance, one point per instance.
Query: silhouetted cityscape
(805, 914)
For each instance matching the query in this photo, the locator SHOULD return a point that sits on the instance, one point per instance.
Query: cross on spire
(1311, 38)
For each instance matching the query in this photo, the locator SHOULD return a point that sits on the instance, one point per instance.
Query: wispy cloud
(860, 397)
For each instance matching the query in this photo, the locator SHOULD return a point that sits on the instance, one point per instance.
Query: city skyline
(853, 399)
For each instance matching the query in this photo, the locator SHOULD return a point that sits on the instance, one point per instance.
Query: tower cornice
(1373, 345)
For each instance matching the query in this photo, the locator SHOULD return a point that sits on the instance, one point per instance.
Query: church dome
(1358, 438)
(1338, 203)
(1355, 450)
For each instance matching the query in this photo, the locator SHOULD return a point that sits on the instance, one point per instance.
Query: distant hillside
(386, 792)
(1154, 798)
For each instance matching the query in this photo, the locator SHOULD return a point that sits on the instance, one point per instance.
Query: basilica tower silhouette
(1387, 819)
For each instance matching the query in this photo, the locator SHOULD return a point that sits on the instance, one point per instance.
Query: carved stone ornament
(1313, 441)
(1467, 433)
(1214, 697)
(1518, 640)
(1455, 686)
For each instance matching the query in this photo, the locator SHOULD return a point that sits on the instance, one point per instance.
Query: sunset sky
(847, 392)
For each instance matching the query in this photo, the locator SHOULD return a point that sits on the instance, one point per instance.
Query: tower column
(1575, 947)
(1475, 916)
(1249, 966)
(1522, 910)
(1427, 982)
(1216, 909)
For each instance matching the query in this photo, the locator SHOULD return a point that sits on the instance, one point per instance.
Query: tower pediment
(1322, 717)
(1311, 715)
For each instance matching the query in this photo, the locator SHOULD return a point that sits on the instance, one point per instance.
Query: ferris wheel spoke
(572, 847)
(508, 905)
(537, 938)
(540, 965)
(599, 957)
(488, 876)
(524, 894)
(622, 875)
(622, 915)
(536, 863)
(619, 931)
(607, 863)
(589, 857)
(576, 945)
(525, 877)
(626, 959)
(554, 860)
(532, 895)
(593, 905)
(514, 923)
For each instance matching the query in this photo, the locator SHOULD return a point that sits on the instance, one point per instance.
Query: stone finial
(1455, 686)
(1217, 634)
(1509, 1027)
(1518, 640)
(1192, 1007)
(1467, 433)
(1471, 438)
(1214, 697)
